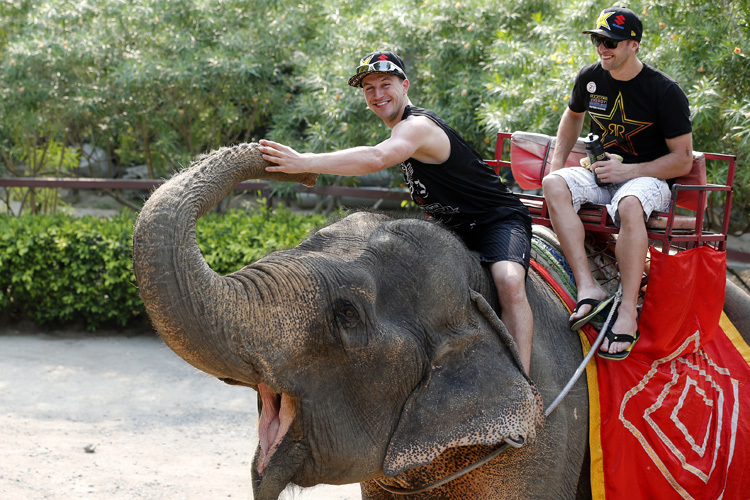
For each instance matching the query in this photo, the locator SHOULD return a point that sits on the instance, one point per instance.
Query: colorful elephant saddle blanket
(672, 420)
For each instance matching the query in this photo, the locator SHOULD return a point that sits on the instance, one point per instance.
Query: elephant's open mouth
(276, 417)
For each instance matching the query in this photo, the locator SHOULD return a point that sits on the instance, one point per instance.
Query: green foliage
(237, 238)
(160, 81)
(87, 72)
(55, 268)
(52, 159)
(58, 269)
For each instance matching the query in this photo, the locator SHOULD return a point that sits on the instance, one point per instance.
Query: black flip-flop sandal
(616, 337)
(597, 307)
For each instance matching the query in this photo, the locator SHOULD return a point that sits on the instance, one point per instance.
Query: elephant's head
(370, 344)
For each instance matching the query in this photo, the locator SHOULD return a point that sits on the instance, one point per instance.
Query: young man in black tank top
(642, 115)
(446, 178)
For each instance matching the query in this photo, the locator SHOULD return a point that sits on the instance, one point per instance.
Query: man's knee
(630, 210)
(556, 190)
(511, 287)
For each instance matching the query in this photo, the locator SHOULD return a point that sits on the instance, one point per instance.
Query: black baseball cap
(618, 23)
(378, 62)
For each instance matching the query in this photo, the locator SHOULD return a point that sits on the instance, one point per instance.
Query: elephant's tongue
(275, 419)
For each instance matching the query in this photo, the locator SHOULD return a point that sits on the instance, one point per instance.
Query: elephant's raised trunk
(178, 288)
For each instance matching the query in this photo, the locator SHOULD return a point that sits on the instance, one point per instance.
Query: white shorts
(653, 193)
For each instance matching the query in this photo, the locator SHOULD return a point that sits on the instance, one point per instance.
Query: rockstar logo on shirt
(617, 128)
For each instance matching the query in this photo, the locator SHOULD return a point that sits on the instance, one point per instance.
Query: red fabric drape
(675, 415)
(673, 420)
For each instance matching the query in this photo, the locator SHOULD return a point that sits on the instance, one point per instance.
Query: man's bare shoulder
(418, 125)
(419, 121)
(431, 141)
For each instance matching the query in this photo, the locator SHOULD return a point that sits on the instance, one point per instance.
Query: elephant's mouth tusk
(276, 417)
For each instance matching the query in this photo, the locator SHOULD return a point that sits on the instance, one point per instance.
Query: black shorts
(508, 239)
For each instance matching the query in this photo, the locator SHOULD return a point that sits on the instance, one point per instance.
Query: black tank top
(462, 192)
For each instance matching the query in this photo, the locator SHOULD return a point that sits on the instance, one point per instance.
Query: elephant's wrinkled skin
(373, 350)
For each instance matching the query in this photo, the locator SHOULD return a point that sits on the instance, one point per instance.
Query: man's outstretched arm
(409, 138)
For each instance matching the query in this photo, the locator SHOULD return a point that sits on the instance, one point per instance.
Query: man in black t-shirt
(446, 178)
(641, 115)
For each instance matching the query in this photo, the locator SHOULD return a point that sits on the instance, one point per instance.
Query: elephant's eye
(346, 314)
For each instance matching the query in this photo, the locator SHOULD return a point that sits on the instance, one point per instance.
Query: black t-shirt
(464, 190)
(634, 117)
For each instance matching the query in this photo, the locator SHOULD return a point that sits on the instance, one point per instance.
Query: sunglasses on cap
(380, 66)
(609, 43)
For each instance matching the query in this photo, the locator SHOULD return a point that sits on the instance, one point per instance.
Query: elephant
(375, 347)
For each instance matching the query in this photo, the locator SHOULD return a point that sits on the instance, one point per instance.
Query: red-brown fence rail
(264, 187)
(149, 184)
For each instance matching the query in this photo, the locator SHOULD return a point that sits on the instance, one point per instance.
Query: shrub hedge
(58, 269)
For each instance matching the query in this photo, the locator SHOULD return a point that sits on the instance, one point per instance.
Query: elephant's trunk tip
(248, 153)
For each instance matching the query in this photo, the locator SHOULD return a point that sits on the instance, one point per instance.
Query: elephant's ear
(475, 393)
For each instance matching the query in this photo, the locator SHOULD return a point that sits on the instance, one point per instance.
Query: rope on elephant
(509, 442)
(594, 348)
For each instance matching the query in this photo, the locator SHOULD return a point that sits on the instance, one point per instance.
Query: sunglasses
(609, 43)
(380, 66)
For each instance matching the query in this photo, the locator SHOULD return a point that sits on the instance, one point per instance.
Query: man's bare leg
(630, 250)
(510, 281)
(569, 230)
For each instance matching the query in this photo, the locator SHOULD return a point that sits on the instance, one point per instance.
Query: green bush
(59, 269)
(56, 269)
(233, 240)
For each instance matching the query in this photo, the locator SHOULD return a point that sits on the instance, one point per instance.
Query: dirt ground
(122, 417)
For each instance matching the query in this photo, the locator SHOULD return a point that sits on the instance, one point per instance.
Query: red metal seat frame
(666, 229)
